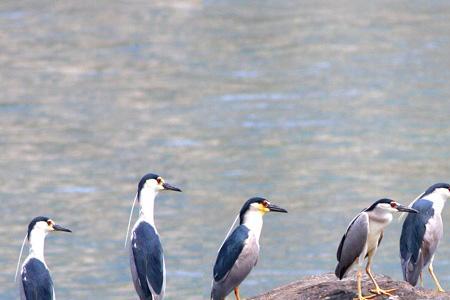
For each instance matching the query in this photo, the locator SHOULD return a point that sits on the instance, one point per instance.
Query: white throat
(37, 241)
(147, 202)
(253, 220)
(379, 218)
(438, 200)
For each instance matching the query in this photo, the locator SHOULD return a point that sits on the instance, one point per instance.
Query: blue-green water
(322, 108)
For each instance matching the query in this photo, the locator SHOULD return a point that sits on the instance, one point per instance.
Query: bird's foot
(368, 297)
(379, 291)
(440, 290)
(236, 293)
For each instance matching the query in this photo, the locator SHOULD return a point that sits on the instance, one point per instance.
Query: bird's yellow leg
(236, 293)
(377, 290)
(436, 281)
(421, 279)
(358, 280)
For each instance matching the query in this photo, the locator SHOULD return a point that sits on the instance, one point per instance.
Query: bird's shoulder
(423, 205)
(239, 234)
(414, 221)
(36, 267)
(145, 231)
(361, 218)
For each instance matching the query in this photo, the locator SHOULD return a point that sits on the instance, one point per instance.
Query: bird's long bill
(406, 209)
(167, 186)
(60, 228)
(275, 208)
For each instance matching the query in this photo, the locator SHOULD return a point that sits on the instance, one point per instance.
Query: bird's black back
(36, 281)
(413, 231)
(148, 257)
(230, 251)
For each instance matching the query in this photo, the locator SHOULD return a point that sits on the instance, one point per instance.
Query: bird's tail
(411, 271)
(340, 271)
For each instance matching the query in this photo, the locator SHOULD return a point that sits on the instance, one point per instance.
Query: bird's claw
(382, 292)
(368, 297)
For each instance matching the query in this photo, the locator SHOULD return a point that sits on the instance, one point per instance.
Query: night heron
(421, 234)
(363, 236)
(146, 253)
(36, 282)
(239, 252)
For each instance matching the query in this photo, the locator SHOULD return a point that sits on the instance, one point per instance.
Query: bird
(36, 282)
(362, 238)
(239, 252)
(146, 253)
(422, 233)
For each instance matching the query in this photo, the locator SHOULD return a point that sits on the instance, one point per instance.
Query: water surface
(322, 108)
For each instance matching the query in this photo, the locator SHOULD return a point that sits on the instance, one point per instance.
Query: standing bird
(239, 252)
(146, 253)
(421, 233)
(363, 236)
(36, 282)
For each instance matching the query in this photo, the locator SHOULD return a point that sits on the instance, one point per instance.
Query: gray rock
(328, 287)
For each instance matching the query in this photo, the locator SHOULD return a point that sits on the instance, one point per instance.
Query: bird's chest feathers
(147, 202)
(250, 252)
(438, 202)
(377, 224)
(434, 229)
(254, 222)
(37, 240)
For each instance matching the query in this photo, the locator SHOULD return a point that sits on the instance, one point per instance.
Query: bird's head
(45, 225)
(389, 205)
(259, 205)
(155, 184)
(442, 189)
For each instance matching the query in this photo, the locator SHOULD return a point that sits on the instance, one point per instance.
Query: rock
(328, 287)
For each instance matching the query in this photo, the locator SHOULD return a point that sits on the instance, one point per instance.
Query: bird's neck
(37, 241)
(438, 201)
(253, 220)
(147, 202)
(379, 218)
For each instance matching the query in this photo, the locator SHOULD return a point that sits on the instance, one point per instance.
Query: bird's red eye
(265, 203)
(158, 180)
(393, 204)
(49, 222)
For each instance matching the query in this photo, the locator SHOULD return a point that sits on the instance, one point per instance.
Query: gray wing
(352, 244)
(147, 262)
(229, 252)
(36, 281)
(415, 252)
(240, 269)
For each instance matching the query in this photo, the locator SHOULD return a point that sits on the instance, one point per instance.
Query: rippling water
(322, 108)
